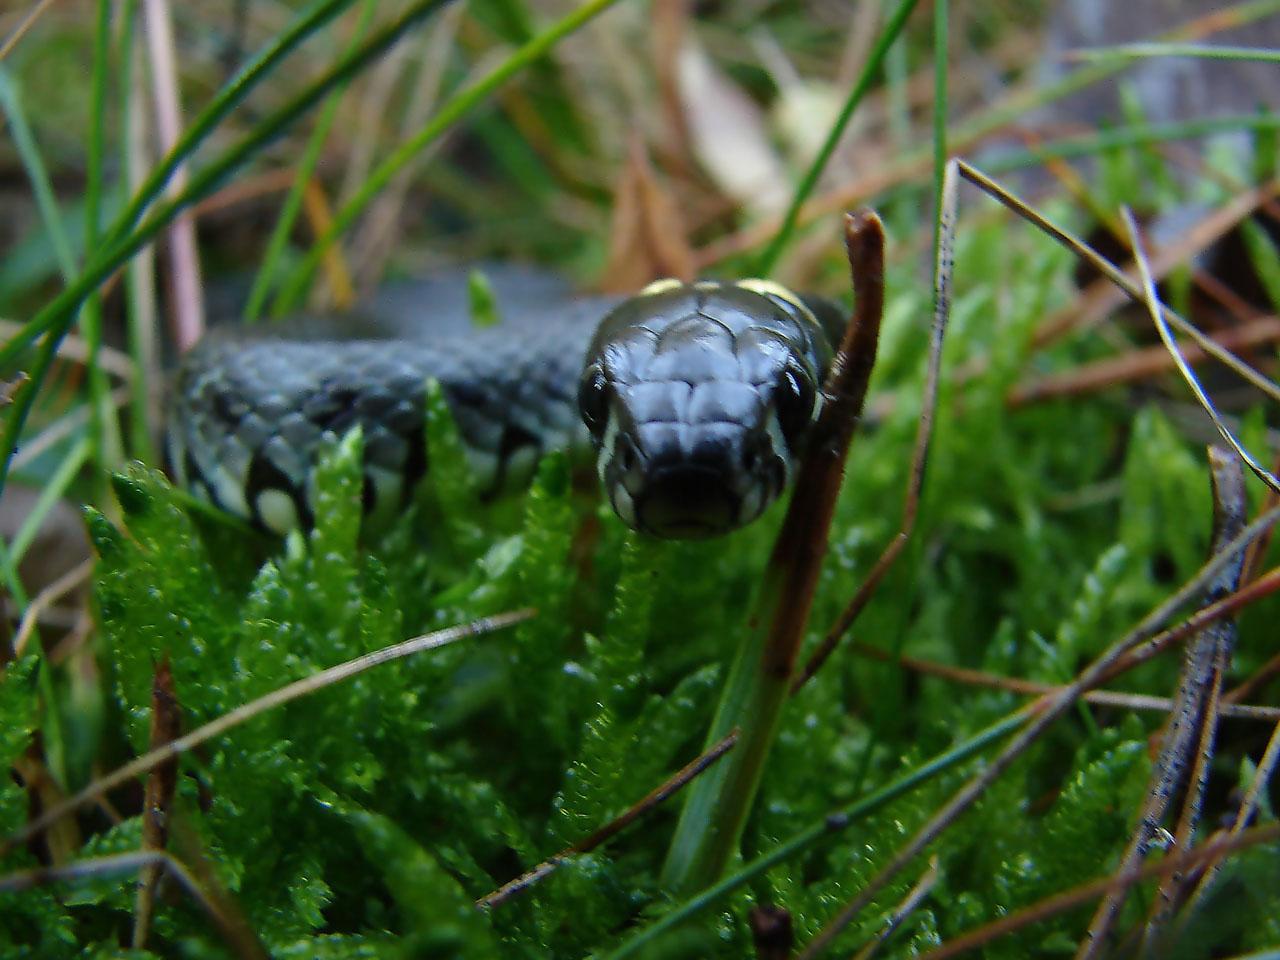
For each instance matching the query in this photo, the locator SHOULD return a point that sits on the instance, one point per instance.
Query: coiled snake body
(696, 398)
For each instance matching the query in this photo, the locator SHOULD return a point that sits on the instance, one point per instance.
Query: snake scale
(696, 398)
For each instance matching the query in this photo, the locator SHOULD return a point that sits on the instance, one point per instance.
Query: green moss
(362, 819)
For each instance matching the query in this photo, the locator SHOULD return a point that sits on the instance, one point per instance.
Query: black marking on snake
(333, 409)
(515, 438)
(698, 399)
(415, 466)
(192, 472)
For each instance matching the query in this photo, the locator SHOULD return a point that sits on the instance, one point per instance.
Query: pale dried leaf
(729, 135)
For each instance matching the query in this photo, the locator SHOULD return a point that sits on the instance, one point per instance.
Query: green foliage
(387, 803)
(1092, 812)
(365, 818)
(17, 721)
(441, 920)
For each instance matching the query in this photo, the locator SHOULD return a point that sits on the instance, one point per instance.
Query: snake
(696, 399)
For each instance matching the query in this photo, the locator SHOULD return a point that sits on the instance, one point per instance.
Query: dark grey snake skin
(249, 411)
(698, 397)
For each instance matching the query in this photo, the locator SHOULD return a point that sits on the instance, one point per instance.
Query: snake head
(699, 398)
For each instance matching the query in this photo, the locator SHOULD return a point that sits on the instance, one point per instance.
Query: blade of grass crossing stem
(804, 840)
(52, 491)
(306, 167)
(450, 113)
(1166, 335)
(893, 26)
(1044, 712)
(711, 822)
(37, 173)
(1143, 51)
(55, 318)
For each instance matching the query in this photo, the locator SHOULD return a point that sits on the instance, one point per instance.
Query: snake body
(697, 398)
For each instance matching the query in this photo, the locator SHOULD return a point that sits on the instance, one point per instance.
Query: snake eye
(793, 399)
(593, 399)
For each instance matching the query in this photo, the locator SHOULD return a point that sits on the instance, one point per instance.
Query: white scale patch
(623, 505)
(660, 286)
(277, 511)
(606, 448)
(769, 288)
(230, 490)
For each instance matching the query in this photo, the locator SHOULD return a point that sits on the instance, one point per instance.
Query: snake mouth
(687, 504)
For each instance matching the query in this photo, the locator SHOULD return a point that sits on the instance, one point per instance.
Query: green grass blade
(37, 173)
(990, 121)
(1143, 51)
(1134, 135)
(449, 114)
(809, 837)
(55, 318)
(306, 166)
(769, 259)
(52, 491)
(103, 430)
(206, 180)
(139, 288)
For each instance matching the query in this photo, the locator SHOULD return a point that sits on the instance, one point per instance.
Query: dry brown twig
(923, 887)
(1188, 742)
(1104, 698)
(239, 937)
(299, 688)
(920, 452)
(45, 599)
(162, 782)
(1051, 707)
(1075, 897)
(24, 27)
(674, 784)
(1248, 807)
(1135, 365)
(188, 309)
